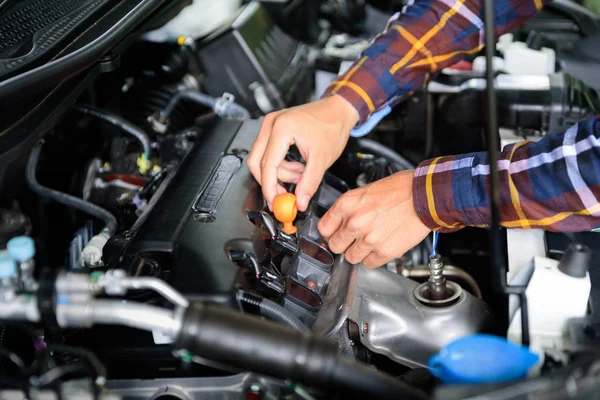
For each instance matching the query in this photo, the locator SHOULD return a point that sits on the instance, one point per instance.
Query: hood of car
(49, 47)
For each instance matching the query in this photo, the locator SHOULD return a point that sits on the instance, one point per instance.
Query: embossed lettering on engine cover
(209, 198)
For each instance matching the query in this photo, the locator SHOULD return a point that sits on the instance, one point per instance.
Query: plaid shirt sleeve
(553, 184)
(425, 38)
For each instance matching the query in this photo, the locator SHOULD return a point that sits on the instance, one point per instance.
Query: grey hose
(271, 310)
(120, 123)
(157, 285)
(224, 107)
(67, 199)
(380, 150)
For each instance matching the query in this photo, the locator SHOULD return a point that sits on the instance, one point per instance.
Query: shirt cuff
(363, 108)
(443, 194)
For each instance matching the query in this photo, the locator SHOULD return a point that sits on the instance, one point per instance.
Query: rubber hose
(236, 111)
(120, 123)
(99, 368)
(271, 310)
(383, 151)
(67, 199)
(230, 110)
(251, 344)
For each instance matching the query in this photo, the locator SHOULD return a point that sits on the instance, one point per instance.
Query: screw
(239, 152)
(364, 328)
(108, 57)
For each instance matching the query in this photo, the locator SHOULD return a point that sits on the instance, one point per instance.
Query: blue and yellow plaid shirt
(553, 184)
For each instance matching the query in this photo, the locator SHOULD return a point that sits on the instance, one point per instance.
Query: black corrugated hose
(271, 310)
(252, 344)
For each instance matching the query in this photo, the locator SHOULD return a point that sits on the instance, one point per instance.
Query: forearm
(553, 184)
(428, 37)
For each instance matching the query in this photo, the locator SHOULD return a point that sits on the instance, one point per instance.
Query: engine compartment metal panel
(394, 323)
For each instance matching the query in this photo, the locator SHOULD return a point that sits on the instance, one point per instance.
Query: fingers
(288, 175)
(385, 252)
(341, 240)
(338, 225)
(374, 260)
(273, 158)
(357, 252)
(309, 182)
(293, 166)
(258, 148)
(331, 221)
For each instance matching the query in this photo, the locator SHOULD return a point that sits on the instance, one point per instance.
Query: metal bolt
(239, 152)
(108, 57)
(364, 328)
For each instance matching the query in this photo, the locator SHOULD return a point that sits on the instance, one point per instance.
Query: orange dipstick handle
(284, 208)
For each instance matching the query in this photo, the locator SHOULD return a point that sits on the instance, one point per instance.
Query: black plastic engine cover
(202, 207)
(185, 231)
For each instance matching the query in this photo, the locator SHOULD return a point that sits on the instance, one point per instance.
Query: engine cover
(198, 210)
(186, 233)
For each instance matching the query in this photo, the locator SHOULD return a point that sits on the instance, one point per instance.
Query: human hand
(320, 131)
(376, 223)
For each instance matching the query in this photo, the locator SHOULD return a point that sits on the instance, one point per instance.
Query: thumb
(308, 184)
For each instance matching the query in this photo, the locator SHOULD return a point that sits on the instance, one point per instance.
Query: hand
(376, 223)
(320, 131)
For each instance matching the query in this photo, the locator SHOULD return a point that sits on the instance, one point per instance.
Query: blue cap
(8, 267)
(21, 248)
(482, 359)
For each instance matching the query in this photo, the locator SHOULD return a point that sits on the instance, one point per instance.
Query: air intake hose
(268, 348)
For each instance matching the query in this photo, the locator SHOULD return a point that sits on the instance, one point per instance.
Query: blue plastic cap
(482, 359)
(21, 248)
(8, 267)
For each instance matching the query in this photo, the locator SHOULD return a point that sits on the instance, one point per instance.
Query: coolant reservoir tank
(196, 20)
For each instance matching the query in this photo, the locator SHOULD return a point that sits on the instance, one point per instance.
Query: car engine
(139, 259)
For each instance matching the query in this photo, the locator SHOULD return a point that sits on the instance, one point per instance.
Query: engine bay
(139, 258)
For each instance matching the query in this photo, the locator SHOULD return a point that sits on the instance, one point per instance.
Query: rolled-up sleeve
(422, 40)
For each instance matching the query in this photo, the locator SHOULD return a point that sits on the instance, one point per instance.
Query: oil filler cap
(482, 359)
